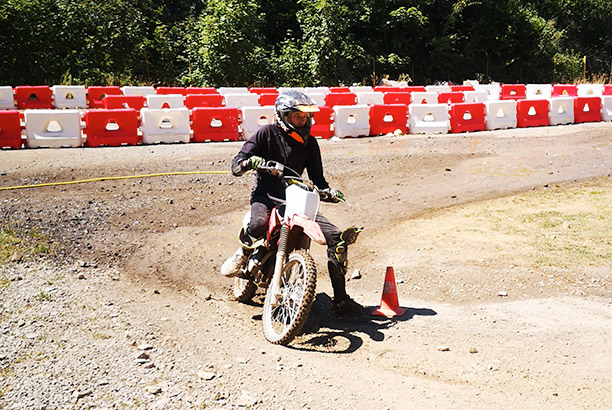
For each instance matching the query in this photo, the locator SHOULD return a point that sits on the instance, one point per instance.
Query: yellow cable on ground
(111, 179)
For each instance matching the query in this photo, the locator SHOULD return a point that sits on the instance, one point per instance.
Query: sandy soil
(460, 344)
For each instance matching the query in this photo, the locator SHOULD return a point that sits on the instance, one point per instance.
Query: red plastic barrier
(111, 127)
(37, 96)
(531, 113)
(267, 99)
(587, 109)
(453, 97)
(114, 102)
(201, 90)
(564, 90)
(467, 117)
(388, 118)
(339, 89)
(461, 88)
(397, 98)
(607, 89)
(322, 122)
(96, 94)
(204, 100)
(171, 90)
(513, 91)
(215, 124)
(263, 90)
(10, 129)
(333, 99)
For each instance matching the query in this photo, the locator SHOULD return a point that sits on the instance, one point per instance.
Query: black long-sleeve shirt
(272, 143)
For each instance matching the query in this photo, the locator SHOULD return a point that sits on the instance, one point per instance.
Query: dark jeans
(336, 263)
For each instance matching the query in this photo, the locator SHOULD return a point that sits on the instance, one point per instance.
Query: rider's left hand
(331, 195)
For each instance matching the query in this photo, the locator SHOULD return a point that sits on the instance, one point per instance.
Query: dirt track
(459, 346)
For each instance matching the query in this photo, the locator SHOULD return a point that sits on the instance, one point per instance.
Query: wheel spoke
(285, 307)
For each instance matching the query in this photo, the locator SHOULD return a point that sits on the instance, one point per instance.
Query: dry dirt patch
(548, 242)
(461, 344)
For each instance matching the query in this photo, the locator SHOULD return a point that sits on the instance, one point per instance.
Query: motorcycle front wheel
(286, 310)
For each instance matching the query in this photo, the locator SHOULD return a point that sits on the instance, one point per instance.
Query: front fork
(281, 253)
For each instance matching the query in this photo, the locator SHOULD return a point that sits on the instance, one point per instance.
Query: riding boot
(342, 304)
(336, 274)
(232, 266)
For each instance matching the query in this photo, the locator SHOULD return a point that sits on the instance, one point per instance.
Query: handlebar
(278, 170)
(273, 168)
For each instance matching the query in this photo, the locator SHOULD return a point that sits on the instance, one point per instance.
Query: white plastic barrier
(241, 100)
(166, 125)
(253, 118)
(300, 89)
(420, 97)
(53, 128)
(232, 90)
(318, 98)
(370, 97)
(606, 107)
(492, 90)
(7, 98)
(428, 118)
(561, 110)
(475, 96)
(590, 90)
(351, 120)
(438, 88)
(501, 114)
(355, 89)
(141, 90)
(538, 91)
(70, 96)
(165, 101)
(316, 90)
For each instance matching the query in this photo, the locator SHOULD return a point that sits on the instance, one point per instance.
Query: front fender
(310, 227)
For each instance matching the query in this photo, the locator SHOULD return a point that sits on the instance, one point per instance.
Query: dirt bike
(282, 263)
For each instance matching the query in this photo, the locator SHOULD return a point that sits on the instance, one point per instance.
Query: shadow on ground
(325, 332)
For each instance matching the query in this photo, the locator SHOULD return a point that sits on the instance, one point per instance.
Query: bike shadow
(326, 332)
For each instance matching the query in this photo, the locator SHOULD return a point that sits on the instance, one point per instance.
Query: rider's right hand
(253, 163)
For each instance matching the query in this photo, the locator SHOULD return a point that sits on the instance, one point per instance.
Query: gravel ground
(69, 343)
(130, 312)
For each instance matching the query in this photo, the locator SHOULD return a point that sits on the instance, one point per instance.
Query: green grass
(4, 281)
(28, 243)
(566, 226)
(561, 227)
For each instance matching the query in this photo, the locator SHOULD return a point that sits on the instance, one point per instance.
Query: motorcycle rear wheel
(244, 289)
(285, 312)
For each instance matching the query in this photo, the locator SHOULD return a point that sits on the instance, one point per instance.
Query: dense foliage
(303, 42)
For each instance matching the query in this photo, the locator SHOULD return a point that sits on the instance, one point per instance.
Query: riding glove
(253, 163)
(331, 195)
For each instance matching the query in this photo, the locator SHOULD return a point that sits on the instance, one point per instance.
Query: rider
(289, 142)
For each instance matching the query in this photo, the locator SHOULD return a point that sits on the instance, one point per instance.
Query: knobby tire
(244, 290)
(284, 318)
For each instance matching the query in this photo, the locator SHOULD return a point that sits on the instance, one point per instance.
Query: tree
(224, 44)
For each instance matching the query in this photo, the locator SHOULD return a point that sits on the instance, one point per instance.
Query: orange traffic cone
(389, 305)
